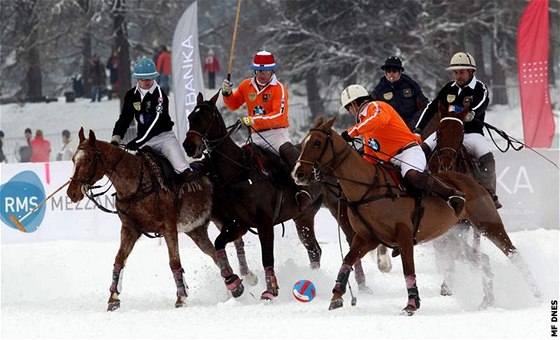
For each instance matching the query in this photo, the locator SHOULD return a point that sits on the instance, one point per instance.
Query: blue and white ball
(304, 291)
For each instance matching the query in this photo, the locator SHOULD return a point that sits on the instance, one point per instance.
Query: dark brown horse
(245, 198)
(380, 212)
(143, 206)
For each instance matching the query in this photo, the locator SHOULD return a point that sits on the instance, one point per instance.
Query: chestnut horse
(381, 212)
(143, 206)
(245, 198)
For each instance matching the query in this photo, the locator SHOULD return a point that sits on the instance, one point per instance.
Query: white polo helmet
(350, 94)
(462, 61)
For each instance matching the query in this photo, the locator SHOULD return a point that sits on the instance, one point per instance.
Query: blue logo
(19, 196)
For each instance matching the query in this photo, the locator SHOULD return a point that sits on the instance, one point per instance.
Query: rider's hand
(469, 116)
(248, 121)
(116, 140)
(226, 87)
(417, 132)
(346, 136)
(132, 145)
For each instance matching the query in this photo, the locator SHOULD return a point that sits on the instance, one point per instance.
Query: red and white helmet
(263, 61)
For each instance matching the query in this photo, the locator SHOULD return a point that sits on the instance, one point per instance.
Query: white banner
(528, 187)
(187, 70)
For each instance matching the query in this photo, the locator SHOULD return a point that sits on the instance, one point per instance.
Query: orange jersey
(379, 122)
(268, 107)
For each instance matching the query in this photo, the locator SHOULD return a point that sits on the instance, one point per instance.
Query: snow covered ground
(60, 289)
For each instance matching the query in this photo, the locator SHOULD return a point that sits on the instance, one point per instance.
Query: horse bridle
(440, 150)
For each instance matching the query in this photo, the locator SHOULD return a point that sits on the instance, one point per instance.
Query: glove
(116, 140)
(248, 121)
(469, 116)
(226, 87)
(346, 136)
(417, 132)
(132, 145)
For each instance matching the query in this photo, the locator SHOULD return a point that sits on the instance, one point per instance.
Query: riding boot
(430, 184)
(190, 178)
(290, 155)
(487, 176)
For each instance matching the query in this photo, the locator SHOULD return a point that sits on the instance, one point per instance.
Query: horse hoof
(237, 291)
(363, 288)
(181, 302)
(251, 279)
(409, 310)
(486, 302)
(267, 296)
(336, 304)
(315, 265)
(113, 306)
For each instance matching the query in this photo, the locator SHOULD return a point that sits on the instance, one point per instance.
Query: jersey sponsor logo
(407, 93)
(451, 98)
(467, 100)
(259, 111)
(388, 95)
(252, 96)
(266, 97)
(137, 106)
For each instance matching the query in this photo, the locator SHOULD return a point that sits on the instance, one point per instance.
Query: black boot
(487, 176)
(430, 184)
(290, 154)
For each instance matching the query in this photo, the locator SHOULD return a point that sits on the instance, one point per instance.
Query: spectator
(401, 92)
(67, 150)
(2, 156)
(113, 67)
(77, 85)
(25, 151)
(97, 78)
(164, 69)
(41, 148)
(211, 66)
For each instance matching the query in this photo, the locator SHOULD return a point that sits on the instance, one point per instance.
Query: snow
(60, 289)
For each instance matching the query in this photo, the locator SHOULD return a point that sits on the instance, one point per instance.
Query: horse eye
(316, 143)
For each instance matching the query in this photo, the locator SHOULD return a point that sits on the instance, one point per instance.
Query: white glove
(469, 116)
(248, 121)
(116, 140)
(226, 87)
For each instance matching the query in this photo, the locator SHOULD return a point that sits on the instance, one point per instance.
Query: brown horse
(381, 212)
(143, 206)
(245, 198)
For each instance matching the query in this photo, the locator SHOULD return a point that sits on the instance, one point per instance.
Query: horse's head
(314, 153)
(88, 166)
(205, 124)
(450, 134)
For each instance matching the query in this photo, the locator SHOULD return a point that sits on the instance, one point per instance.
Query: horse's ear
(81, 134)
(199, 98)
(91, 137)
(328, 125)
(215, 98)
(319, 121)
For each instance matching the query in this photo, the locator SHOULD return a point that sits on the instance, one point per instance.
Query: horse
(246, 199)
(144, 206)
(382, 212)
(450, 155)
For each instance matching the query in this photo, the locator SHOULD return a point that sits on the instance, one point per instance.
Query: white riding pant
(168, 146)
(410, 159)
(474, 143)
(271, 139)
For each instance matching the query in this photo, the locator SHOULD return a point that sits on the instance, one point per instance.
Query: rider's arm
(237, 97)
(126, 116)
(481, 99)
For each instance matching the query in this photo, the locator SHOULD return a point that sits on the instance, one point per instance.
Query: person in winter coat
(113, 67)
(148, 104)
(387, 138)
(41, 148)
(67, 150)
(97, 78)
(211, 66)
(164, 69)
(401, 91)
(455, 95)
(267, 112)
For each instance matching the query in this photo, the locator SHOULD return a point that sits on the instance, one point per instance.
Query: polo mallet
(17, 222)
(233, 41)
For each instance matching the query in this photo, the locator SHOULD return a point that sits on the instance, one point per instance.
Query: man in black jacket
(400, 91)
(455, 95)
(148, 104)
